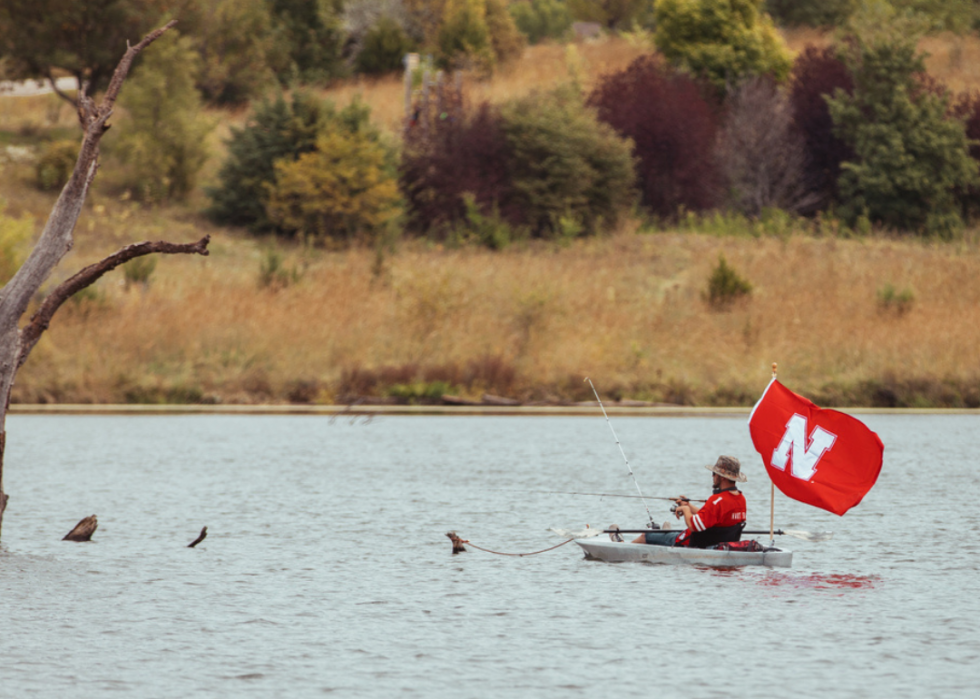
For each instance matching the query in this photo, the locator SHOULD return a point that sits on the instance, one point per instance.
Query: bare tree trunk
(56, 241)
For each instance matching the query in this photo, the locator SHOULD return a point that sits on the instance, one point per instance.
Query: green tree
(571, 173)
(383, 47)
(307, 39)
(83, 38)
(506, 39)
(464, 37)
(164, 143)
(910, 156)
(541, 19)
(721, 41)
(275, 130)
(478, 34)
(343, 190)
(235, 43)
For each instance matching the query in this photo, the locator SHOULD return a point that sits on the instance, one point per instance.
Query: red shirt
(726, 509)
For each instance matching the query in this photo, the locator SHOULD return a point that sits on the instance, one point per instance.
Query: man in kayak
(718, 520)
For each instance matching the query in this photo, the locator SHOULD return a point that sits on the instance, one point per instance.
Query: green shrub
(898, 303)
(383, 47)
(541, 19)
(14, 234)
(566, 164)
(488, 229)
(139, 269)
(419, 391)
(274, 273)
(721, 42)
(163, 143)
(910, 157)
(343, 189)
(725, 286)
(774, 223)
(55, 164)
(277, 130)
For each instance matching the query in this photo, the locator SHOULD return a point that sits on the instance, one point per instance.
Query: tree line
(719, 117)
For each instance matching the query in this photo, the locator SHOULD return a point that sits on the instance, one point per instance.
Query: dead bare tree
(56, 241)
(762, 154)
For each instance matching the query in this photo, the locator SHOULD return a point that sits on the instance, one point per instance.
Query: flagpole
(772, 493)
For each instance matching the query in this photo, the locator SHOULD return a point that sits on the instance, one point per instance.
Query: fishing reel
(673, 508)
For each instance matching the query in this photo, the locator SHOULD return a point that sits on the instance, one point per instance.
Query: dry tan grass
(627, 309)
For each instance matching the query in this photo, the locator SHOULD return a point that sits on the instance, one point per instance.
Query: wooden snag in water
(457, 543)
(201, 537)
(84, 530)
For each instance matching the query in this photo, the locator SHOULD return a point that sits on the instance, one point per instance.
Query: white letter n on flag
(805, 454)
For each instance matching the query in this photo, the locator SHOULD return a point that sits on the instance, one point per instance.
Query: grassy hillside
(529, 322)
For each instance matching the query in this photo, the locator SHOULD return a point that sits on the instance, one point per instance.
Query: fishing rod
(598, 495)
(642, 499)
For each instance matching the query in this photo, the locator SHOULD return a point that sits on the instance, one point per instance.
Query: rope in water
(532, 553)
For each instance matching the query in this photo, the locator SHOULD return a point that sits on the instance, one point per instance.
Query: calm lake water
(327, 570)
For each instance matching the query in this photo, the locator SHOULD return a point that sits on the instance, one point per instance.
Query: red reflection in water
(802, 581)
(820, 581)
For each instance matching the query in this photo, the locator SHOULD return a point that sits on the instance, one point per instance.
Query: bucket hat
(728, 467)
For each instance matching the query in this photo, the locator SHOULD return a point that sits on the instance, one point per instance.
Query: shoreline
(432, 410)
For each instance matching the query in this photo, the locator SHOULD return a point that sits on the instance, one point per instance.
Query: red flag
(821, 457)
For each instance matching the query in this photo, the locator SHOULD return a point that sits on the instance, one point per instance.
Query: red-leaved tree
(447, 158)
(817, 72)
(967, 108)
(673, 129)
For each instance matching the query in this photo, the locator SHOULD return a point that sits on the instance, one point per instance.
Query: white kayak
(622, 551)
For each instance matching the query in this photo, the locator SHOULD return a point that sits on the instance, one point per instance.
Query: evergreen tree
(909, 156)
(720, 41)
(275, 130)
(308, 39)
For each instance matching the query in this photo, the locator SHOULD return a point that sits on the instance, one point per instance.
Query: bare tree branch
(53, 81)
(122, 70)
(31, 333)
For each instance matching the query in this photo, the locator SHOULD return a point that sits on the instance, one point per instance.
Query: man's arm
(687, 511)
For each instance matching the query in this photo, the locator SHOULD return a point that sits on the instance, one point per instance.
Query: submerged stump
(84, 530)
(457, 543)
(199, 539)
